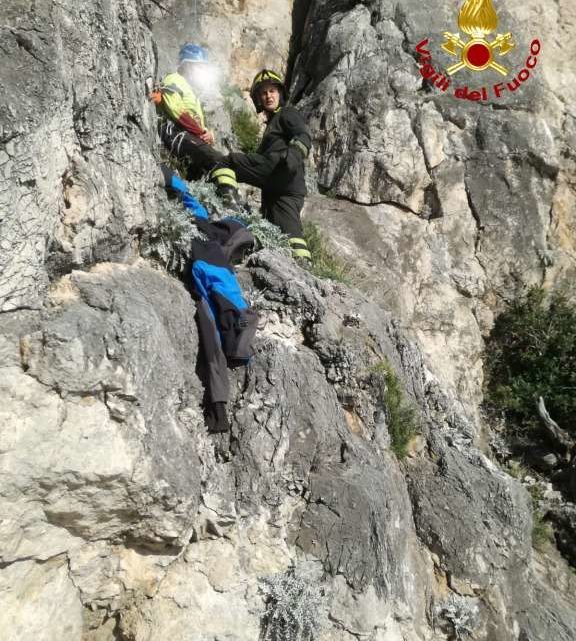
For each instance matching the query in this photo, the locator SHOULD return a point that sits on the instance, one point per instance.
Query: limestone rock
(491, 180)
(90, 451)
(423, 273)
(39, 601)
(73, 111)
(242, 36)
(564, 519)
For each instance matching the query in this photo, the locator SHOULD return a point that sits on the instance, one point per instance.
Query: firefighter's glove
(155, 97)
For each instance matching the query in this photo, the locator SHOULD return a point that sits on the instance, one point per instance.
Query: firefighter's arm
(298, 134)
(175, 110)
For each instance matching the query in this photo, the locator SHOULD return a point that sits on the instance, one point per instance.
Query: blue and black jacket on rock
(226, 323)
(215, 282)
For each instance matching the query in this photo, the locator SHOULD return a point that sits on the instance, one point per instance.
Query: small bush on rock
(170, 241)
(295, 608)
(531, 354)
(246, 128)
(402, 417)
(458, 615)
(324, 263)
(245, 124)
(542, 532)
(269, 236)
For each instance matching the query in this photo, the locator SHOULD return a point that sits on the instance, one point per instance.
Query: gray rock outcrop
(469, 202)
(76, 134)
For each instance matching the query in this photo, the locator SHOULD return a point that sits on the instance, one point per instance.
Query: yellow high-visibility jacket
(180, 104)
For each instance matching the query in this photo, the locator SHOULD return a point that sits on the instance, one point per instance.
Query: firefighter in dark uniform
(277, 166)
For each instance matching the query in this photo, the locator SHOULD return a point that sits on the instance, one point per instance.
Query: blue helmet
(190, 52)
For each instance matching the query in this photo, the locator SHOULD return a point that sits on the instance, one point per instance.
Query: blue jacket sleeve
(193, 205)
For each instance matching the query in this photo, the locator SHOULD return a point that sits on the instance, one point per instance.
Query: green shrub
(268, 235)
(245, 124)
(458, 615)
(542, 532)
(324, 263)
(516, 469)
(231, 93)
(246, 128)
(402, 416)
(531, 353)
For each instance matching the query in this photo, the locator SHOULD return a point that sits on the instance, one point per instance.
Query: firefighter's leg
(284, 211)
(214, 370)
(202, 157)
(184, 146)
(226, 185)
(253, 169)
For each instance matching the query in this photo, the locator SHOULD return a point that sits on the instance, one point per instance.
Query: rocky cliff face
(468, 201)
(121, 518)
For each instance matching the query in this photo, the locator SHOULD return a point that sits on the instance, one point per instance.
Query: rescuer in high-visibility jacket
(182, 126)
(277, 166)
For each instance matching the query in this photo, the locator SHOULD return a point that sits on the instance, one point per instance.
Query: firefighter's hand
(207, 137)
(155, 97)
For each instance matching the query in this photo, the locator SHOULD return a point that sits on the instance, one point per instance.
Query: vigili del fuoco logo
(476, 52)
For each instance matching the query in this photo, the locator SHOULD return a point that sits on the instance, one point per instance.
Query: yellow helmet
(261, 78)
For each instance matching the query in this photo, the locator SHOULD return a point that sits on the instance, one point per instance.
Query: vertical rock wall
(242, 35)
(76, 133)
(469, 202)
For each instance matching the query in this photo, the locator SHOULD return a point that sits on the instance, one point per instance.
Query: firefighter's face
(270, 96)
